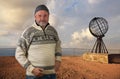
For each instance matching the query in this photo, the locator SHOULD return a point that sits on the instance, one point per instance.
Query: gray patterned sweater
(38, 48)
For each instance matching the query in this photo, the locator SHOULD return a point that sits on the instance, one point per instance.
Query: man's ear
(35, 15)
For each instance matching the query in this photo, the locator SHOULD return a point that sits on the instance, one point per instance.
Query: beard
(42, 23)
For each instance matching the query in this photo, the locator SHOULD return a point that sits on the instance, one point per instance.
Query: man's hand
(37, 71)
(57, 65)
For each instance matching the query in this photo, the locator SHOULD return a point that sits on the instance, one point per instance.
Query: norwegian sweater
(38, 48)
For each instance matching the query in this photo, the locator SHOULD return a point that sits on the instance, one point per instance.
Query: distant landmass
(65, 51)
(7, 51)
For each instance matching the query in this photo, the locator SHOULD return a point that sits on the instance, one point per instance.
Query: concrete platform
(96, 57)
(102, 58)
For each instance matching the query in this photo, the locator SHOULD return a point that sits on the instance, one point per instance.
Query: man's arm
(58, 52)
(21, 54)
(58, 55)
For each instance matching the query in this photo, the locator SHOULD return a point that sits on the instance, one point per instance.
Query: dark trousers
(49, 76)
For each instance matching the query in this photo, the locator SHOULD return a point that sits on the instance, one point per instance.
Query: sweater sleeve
(58, 49)
(22, 51)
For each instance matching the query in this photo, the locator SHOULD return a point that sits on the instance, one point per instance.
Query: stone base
(97, 57)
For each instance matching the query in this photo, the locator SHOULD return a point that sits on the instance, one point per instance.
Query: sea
(65, 51)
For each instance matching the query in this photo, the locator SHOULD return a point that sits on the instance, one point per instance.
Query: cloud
(56, 19)
(15, 13)
(94, 1)
(112, 36)
(84, 34)
(100, 8)
(80, 39)
(70, 18)
(10, 18)
(74, 17)
(2, 33)
(14, 18)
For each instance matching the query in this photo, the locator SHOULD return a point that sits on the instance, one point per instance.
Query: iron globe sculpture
(98, 27)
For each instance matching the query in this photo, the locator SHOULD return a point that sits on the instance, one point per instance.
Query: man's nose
(42, 18)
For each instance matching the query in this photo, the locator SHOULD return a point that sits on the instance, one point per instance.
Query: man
(39, 50)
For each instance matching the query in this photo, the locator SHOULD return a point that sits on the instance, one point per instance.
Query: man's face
(42, 17)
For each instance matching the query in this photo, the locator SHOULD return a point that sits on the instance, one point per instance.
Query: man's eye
(45, 15)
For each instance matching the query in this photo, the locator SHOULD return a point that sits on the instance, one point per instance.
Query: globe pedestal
(98, 26)
(96, 57)
(99, 46)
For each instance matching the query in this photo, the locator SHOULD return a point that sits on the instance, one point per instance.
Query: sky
(70, 17)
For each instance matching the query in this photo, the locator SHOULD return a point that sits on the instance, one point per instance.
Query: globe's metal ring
(98, 22)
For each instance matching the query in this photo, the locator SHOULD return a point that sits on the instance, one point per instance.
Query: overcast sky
(70, 17)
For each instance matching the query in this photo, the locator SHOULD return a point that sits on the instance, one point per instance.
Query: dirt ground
(73, 67)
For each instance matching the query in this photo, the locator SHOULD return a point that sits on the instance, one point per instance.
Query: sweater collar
(39, 27)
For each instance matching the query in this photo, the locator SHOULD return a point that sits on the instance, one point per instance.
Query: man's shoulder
(51, 28)
(28, 31)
